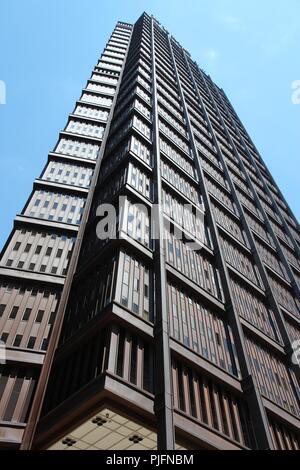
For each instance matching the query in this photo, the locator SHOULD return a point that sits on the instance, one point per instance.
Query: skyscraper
(156, 340)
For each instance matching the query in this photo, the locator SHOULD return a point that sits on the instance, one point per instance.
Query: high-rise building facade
(153, 340)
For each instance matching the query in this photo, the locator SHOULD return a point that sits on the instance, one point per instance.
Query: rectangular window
(39, 316)
(14, 312)
(26, 314)
(44, 344)
(51, 318)
(4, 337)
(17, 340)
(134, 276)
(31, 342)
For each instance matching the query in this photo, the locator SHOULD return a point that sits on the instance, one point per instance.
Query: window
(20, 264)
(141, 150)
(26, 314)
(31, 342)
(14, 312)
(27, 248)
(51, 318)
(39, 316)
(120, 356)
(31, 266)
(44, 344)
(135, 307)
(132, 295)
(48, 252)
(17, 246)
(59, 253)
(4, 337)
(17, 340)
(2, 308)
(38, 249)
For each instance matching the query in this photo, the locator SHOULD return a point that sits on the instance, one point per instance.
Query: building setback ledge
(280, 413)
(45, 224)
(31, 276)
(201, 436)
(11, 435)
(106, 388)
(207, 367)
(66, 188)
(25, 356)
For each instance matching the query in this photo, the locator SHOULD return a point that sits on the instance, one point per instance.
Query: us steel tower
(151, 344)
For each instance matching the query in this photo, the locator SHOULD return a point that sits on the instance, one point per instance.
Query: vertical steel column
(260, 421)
(163, 385)
(57, 326)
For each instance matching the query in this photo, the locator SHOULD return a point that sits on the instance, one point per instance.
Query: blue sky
(48, 49)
